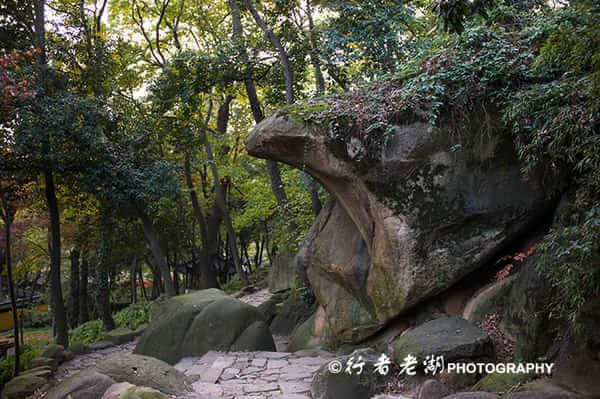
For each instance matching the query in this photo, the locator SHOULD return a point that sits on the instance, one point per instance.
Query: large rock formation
(193, 324)
(429, 210)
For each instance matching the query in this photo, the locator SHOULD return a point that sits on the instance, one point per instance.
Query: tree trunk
(56, 296)
(283, 56)
(207, 274)
(314, 52)
(158, 253)
(7, 216)
(84, 312)
(290, 99)
(220, 199)
(144, 295)
(273, 170)
(103, 298)
(132, 277)
(74, 288)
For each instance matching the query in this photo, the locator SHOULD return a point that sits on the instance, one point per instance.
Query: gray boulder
(87, 384)
(23, 386)
(144, 371)
(451, 337)
(329, 384)
(192, 324)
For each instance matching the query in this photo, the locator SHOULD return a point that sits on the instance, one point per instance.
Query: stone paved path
(257, 298)
(256, 375)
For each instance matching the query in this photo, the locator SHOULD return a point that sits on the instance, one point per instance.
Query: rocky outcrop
(451, 337)
(192, 324)
(432, 208)
(333, 382)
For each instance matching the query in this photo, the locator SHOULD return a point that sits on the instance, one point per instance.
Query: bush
(134, 315)
(87, 333)
(7, 364)
(36, 319)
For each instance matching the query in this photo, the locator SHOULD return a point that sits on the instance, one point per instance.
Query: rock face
(192, 324)
(451, 337)
(432, 209)
(328, 384)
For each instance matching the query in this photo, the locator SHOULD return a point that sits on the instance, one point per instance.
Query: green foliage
(370, 34)
(87, 333)
(133, 315)
(7, 364)
(36, 319)
(234, 285)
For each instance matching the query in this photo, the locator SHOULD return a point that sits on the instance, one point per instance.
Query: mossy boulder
(192, 324)
(120, 335)
(542, 388)
(144, 371)
(335, 385)
(256, 335)
(292, 312)
(23, 386)
(500, 382)
(87, 384)
(125, 390)
(44, 361)
(42, 371)
(451, 337)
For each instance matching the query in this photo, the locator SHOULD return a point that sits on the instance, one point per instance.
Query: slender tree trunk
(220, 199)
(157, 250)
(283, 56)
(273, 170)
(8, 215)
(103, 298)
(314, 52)
(84, 312)
(56, 296)
(74, 288)
(207, 274)
(144, 295)
(132, 277)
(289, 95)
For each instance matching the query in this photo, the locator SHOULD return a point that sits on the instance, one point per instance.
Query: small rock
(96, 346)
(433, 389)
(44, 361)
(472, 395)
(87, 384)
(54, 351)
(126, 390)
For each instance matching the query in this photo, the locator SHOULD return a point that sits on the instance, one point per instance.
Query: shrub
(8, 363)
(134, 315)
(36, 319)
(87, 333)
